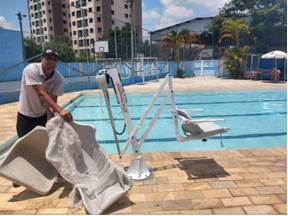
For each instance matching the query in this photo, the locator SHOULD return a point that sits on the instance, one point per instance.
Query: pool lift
(193, 129)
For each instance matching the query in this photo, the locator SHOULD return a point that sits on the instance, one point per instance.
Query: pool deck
(248, 181)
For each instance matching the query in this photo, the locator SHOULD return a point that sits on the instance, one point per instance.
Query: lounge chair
(200, 128)
(26, 165)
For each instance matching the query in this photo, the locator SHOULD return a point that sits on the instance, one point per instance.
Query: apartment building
(49, 18)
(82, 21)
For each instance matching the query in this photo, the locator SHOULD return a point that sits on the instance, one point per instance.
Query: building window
(43, 11)
(91, 30)
(79, 23)
(45, 29)
(98, 9)
(90, 20)
(46, 37)
(98, 19)
(79, 14)
(90, 9)
(76, 51)
(32, 23)
(63, 6)
(99, 29)
(44, 20)
(126, 6)
(73, 23)
(48, 2)
(51, 28)
(113, 22)
(65, 30)
(75, 42)
(72, 4)
(112, 12)
(49, 11)
(64, 14)
(73, 13)
(64, 21)
(74, 32)
(126, 15)
(42, 3)
(112, 2)
(50, 19)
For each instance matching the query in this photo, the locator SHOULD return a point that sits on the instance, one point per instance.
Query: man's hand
(67, 116)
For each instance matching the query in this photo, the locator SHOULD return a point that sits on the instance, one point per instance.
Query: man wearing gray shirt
(41, 84)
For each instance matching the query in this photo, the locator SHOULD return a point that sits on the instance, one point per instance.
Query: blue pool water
(257, 119)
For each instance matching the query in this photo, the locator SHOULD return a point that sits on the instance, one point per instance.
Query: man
(41, 84)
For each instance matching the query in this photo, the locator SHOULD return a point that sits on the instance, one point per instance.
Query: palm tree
(232, 28)
(177, 41)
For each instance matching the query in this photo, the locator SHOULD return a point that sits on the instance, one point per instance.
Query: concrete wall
(11, 48)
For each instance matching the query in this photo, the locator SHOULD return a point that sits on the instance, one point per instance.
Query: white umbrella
(276, 54)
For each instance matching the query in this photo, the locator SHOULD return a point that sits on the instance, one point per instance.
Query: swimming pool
(257, 119)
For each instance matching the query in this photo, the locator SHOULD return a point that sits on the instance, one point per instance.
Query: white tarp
(74, 152)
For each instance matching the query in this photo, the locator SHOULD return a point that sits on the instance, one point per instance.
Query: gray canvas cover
(25, 162)
(74, 152)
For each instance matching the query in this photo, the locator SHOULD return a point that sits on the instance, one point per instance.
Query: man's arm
(50, 112)
(52, 103)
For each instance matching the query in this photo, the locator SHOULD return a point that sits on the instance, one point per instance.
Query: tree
(267, 19)
(177, 42)
(32, 49)
(64, 48)
(232, 28)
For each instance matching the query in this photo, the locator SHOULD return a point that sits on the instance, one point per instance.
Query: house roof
(179, 24)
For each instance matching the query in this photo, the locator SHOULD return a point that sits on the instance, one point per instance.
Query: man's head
(49, 61)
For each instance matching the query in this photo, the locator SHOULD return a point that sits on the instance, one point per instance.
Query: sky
(156, 14)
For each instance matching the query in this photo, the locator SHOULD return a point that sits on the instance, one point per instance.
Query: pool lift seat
(198, 128)
(193, 129)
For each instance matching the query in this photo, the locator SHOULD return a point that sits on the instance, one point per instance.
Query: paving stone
(236, 201)
(222, 184)
(197, 186)
(218, 193)
(231, 177)
(196, 212)
(42, 203)
(7, 196)
(53, 211)
(13, 206)
(265, 199)
(179, 195)
(206, 203)
(170, 187)
(270, 190)
(18, 212)
(137, 197)
(158, 196)
(260, 210)
(243, 191)
(248, 183)
(79, 211)
(282, 197)
(277, 174)
(143, 207)
(229, 211)
(175, 212)
(274, 181)
(4, 188)
(281, 208)
(176, 205)
(178, 180)
(144, 189)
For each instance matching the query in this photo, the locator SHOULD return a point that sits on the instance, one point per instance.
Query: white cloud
(150, 14)
(175, 11)
(211, 5)
(5, 24)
